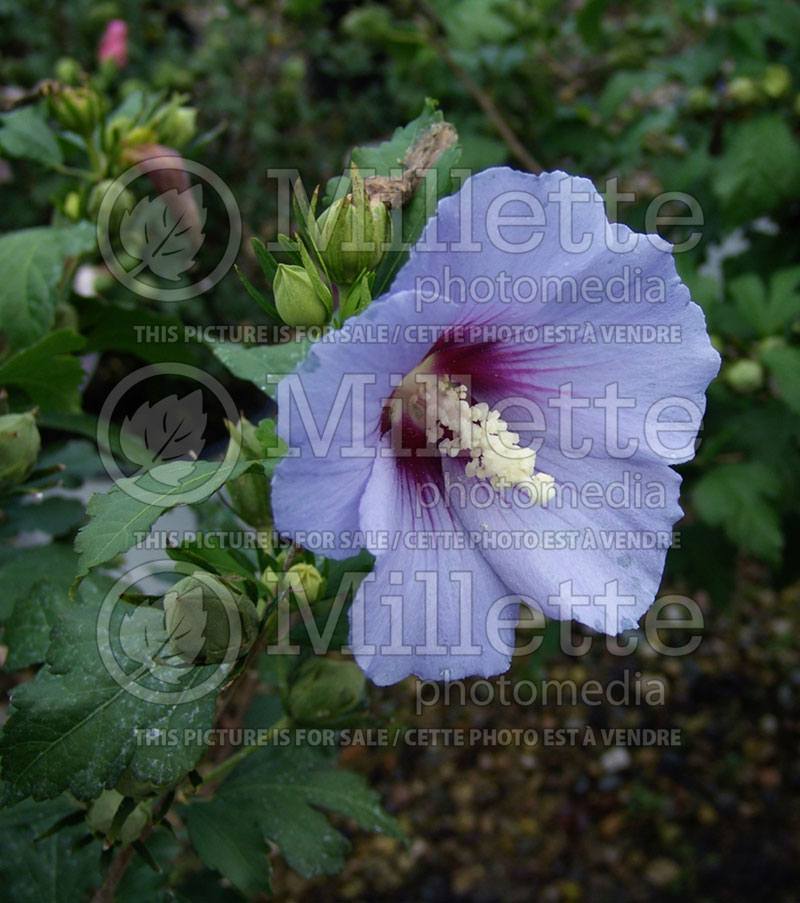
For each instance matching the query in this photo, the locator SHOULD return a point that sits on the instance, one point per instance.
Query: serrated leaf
(144, 639)
(760, 168)
(170, 429)
(47, 372)
(389, 156)
(24, 133)
(55, 869)
(741, 498)
(54, 514)
(784, 298)
(118, 519)
(165, 232)
(229, 842)
(784, 367)
(279, 790)
(22, 569)
(32, 263)
(262, 365)
(27, 631)
(74, 726)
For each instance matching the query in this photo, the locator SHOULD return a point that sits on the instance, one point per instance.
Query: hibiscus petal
(439, 612)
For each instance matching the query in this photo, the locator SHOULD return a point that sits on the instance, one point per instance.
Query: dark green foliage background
(680, 96)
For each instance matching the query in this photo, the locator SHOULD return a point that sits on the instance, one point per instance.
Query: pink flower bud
(114, 43)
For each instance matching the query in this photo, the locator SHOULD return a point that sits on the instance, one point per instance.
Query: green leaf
(784, 366)
(265, 259)
(150, 336)
(741, 498)
(750, 297)
(272, 446)
(47, 372)
(267, 306)
(389, 156)
(119, 519)
(784, 298)
(262, 365)
(56, 869)
(229, 842)
(54, 514)
(438, 183)
(75, 727)
(21, 569)
(24, 133)
(279, 790)
(32, 263)
(205, 555)
(27, 631)
(760, 169)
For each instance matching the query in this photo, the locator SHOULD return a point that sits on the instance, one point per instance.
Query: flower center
(439, 407)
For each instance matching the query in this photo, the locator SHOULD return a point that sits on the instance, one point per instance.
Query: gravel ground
(712, 818)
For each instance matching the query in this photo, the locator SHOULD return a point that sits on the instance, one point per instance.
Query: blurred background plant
(700, 98)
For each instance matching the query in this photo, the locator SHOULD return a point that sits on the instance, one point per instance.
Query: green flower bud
(76, 109)
(324, 689)
(353, 234)
(101, 817)
(208, 622)
(125, 202)
(744, 90)
(296, 299)
(250, 493)
(745, 375)
(68, 70)
(699, 99)
(19, 448)
(776, 81)
(305, 581)
(72, 206)
(178, 127)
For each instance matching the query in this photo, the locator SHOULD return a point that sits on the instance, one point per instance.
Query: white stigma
(495, 452)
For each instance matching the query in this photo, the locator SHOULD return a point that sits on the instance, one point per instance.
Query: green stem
(241, 754)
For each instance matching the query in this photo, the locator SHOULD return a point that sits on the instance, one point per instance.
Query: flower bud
(113, 46)
(72, 206)
(101, 817)
(745, 375)
(354, 233)
(125, 202)
(250, 493)
(305, 581)
(19, 448)
(777, 80)
(68, 70)
(76, 109)
(324, 689)
(743, 90)
(296, 299)
(207, 622)
(178, 127)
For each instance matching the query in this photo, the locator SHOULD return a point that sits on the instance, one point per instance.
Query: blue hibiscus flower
(499, 427)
